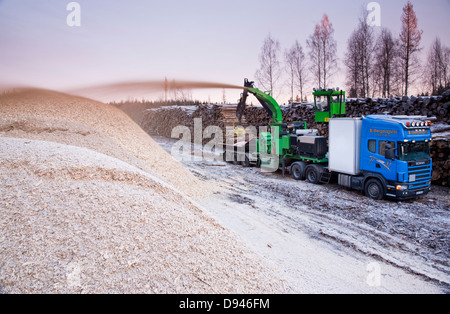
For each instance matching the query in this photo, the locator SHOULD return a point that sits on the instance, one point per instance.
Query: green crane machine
(282, 146)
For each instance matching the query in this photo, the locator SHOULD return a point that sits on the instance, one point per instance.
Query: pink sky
(202, 40)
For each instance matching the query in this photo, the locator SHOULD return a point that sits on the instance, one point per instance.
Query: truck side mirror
(389, 152)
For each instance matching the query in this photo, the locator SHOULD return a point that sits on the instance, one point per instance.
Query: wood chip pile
(64, 118)
(90, 204)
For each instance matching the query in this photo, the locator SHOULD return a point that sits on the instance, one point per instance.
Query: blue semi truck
(382, 156)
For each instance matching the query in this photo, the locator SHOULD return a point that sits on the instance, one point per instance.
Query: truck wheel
(374, 189)
(312, 173)
(298, 170)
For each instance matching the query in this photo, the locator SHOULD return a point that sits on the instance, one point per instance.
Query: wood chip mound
(54, 116)
(76, 220)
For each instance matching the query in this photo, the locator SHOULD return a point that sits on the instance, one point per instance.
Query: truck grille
(419, 176)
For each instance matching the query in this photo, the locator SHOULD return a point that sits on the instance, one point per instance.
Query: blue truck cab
(395, 156)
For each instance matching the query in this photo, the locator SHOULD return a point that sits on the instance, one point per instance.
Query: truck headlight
(401, 187)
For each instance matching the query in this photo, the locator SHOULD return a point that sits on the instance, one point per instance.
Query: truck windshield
(414, 151)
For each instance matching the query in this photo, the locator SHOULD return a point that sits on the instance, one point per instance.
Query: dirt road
(326, 239)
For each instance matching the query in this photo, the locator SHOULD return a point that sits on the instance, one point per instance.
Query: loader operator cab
(328, 104)
(322, 103)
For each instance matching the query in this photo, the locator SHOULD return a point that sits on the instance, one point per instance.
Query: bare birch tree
(386, 53)
(296, 64)
(359, 58)
(352, 61)
(315, 54)
(301, 65)
(270, 69)
(446, 67)
(437, 67)
(366, 37)
(410, 37)
(322, 51)
(289, 56)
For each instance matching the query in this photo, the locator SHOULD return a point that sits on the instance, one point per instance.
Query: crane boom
(266, 100)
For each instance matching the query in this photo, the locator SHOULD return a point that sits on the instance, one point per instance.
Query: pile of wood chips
(89, 203)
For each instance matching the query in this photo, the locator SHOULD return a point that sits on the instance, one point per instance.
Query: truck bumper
(407, 194)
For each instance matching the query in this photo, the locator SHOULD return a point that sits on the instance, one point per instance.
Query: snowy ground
(326, 239)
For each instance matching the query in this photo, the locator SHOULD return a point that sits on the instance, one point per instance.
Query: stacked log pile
(441, 163)
(440, 152)
(161, 121)
(435, 106)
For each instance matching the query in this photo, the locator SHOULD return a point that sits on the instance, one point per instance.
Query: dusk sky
(202, 40)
